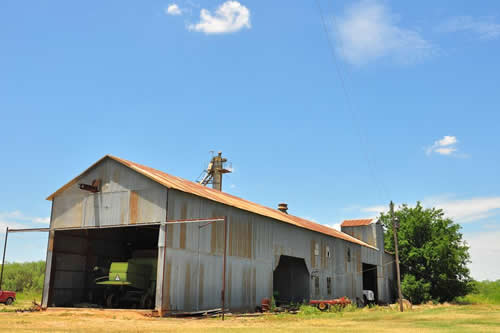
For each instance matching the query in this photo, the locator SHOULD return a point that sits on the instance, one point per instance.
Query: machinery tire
(9, 301)
(322, 306)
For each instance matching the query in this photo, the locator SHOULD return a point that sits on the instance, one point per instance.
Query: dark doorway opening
(291, 281)
(105, 268)
(370, 279)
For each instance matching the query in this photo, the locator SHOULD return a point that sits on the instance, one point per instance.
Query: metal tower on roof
(215, 170)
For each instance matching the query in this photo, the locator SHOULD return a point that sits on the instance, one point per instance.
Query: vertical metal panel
(366, 233)
(211, 282)
(126, 197)
(67, 210)
(105, 209)
(160, 278)
(389, 277)
(151, 204)
(69, 269)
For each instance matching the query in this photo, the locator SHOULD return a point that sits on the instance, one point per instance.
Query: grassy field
(425, 318)
(481, 314)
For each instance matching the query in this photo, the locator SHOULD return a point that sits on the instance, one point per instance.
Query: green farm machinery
(130, 284)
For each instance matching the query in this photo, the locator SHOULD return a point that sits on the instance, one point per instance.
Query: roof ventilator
(283, 207)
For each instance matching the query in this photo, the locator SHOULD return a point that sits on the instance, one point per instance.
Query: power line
(371, 165)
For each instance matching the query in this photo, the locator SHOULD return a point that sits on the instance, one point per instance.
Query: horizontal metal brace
(29, 230)
(210, 220)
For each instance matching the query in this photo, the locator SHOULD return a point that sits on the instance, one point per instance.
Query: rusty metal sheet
(367, 233)
(356, 223)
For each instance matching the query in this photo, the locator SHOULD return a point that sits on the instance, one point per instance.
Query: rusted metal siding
(126, 197)
(255, 244)
(373, 234)
(389, 277)
(195, 254)
(366, 233)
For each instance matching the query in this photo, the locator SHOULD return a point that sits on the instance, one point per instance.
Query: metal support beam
(30, 230)
(48, 270)
(3, 260)
(160, 275)
(224, 269)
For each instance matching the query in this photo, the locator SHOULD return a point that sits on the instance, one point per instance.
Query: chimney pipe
(283, 207)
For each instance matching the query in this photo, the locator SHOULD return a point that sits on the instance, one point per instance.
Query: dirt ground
(452, 318)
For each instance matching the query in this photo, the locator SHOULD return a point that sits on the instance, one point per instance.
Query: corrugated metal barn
(269, 252)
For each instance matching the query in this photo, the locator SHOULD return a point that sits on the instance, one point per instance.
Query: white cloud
(485, 28)
(445, 146)
(483, 247)
(45, 220)
(368, 31)
(375, 209)
(467, 210)
(445, 151)
(335, 226)
(15, 214)
(231, 16)
(11, 225)
(173, 9)
(447, 140)
(460, 210)
(17, 219)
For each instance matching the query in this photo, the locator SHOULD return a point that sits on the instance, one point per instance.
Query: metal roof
(187, 186)
(356, 223)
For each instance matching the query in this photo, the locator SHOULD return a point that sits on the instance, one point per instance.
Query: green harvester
(131, 283)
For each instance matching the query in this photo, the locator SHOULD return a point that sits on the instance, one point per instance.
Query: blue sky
(164, 83)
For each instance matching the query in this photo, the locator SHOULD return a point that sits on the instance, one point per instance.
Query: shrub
(416, 291)
(484, 292)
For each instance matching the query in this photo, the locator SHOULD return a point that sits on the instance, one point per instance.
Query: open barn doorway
(370, 280)
(291, 281)
(105, 268)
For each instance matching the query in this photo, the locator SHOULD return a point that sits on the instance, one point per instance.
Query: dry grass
(426, 318)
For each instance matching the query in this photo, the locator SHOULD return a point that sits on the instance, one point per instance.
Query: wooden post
(394, 227)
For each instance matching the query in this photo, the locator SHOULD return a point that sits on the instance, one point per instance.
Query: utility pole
(395, 226)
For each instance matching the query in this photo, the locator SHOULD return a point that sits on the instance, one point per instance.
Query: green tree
(433, 255)
(22, 277)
